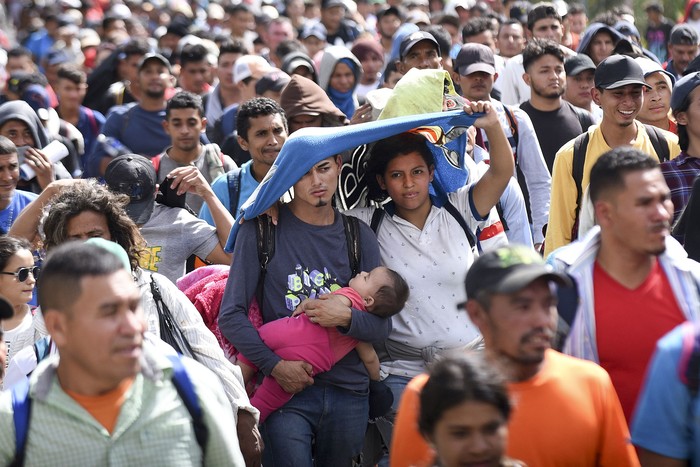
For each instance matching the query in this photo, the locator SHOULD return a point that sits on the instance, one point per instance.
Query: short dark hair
(537, 48)
(184, 100)
(257, 107)
(683, 138)
(193, 53)
(442, 37)
(9, 246)
(72, 73)
(609, 170)
(390, 299)
(91, 196)
(455, 380)
(19, 51)
(137, 46)
(288, 46)
(64, 269)
(238, 8)
(233, 47)
(447, 18)
(385, 150)
(475, 26)
(576, 9)
(540, 11)
(6, 145)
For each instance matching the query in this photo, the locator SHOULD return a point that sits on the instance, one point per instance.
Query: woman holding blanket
(423, 240)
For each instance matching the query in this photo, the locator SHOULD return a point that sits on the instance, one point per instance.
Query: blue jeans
(322, 426)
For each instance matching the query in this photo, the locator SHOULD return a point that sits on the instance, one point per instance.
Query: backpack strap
(377, 218)
(215, 160)
(584, 117)
(265, 236)
(499, 210)
(42, 348)
(21, 413)
(155, 160)
(460, 220)
(352, 237)
(514, 139)
(658, 141)
(579, 160)
(233, 181)
(183, 384)
(689, 363)
(92, 120)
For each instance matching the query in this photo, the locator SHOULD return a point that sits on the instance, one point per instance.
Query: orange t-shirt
(105, 407)
(628, 324)
(568, 414)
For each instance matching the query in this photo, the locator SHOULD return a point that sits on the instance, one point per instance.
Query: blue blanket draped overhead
(308, 146)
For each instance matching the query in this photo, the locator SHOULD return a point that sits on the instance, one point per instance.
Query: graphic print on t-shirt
(303, 284)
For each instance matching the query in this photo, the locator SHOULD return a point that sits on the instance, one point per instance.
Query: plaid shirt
(680, 173)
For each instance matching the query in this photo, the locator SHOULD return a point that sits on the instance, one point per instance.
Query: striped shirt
(680, 173)
(153, 428)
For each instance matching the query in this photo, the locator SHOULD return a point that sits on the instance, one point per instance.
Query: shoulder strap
(352, 237)
(513, 130)
(42, 347)
(460, 220)
(689, 363)
(499, 210)
(233, 181)
(658, 141)
(584, 117)
(185, 388)
(215, 160)
(579, 160)
(377, 218)
(155, 160)
(265, 235)
(91, 118)
(21, 413)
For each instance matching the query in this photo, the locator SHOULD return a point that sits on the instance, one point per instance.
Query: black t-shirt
(554, 129)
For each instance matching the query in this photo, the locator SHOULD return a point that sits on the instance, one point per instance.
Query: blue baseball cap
(683, 88)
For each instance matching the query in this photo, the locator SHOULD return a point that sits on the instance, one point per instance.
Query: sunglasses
(22, 274)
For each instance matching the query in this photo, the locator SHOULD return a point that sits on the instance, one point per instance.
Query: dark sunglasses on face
(22, 274)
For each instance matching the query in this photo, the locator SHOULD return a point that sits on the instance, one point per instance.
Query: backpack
(22, 407)
(212, 156)
(265, 236)
(379, 213)
(689, 363)
(658, 141)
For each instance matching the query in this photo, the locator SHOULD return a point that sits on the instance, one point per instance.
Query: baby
(381, 291)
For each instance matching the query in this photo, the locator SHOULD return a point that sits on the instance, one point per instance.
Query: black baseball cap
(617, 71)
(474, 57)
(412, 39)
(577, 64)
(155, 57)
(683, 34)
(274, 80)
(509, 269)
(135, 176)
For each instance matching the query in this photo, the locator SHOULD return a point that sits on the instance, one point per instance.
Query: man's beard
(155, 94)
(551, 95)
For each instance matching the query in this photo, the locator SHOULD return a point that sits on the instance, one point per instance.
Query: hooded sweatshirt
(304, 97)
(346, 102)
(20, 110)
(591, 31)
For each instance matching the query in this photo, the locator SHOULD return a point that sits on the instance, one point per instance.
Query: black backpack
(265, 235)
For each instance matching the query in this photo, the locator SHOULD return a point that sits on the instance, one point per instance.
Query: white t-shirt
(434, 261)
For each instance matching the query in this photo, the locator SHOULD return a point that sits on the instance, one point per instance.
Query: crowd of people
(349, 232)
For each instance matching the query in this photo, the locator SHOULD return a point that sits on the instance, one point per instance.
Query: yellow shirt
(562, 207)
